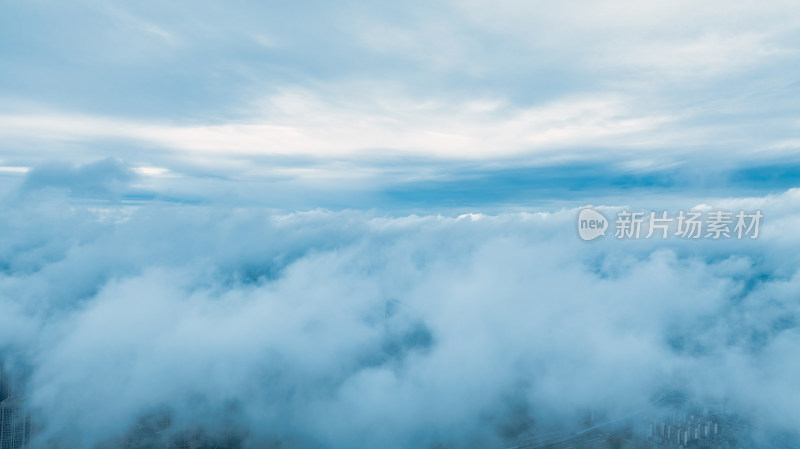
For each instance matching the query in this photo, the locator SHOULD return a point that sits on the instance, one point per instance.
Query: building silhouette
(15, 421)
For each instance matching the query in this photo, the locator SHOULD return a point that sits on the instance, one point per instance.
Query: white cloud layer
(297, 122)
(348, 330)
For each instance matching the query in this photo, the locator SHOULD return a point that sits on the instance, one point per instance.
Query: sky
(405, 104)
(352, 224)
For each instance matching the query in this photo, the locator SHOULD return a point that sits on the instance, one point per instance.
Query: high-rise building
(15, 421)
(15, 424)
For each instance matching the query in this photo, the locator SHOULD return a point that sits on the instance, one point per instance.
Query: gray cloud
(106, 179)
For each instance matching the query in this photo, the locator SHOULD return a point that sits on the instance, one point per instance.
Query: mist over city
(399, 225)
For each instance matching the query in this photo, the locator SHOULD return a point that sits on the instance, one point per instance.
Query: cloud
(161, 284)
(466, 80)
(300, 123)
(351, 329)
(642, 41)
(106, 178)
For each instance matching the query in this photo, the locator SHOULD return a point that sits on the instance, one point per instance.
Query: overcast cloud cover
(404, 98)
(353, 224)
(351, 329)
